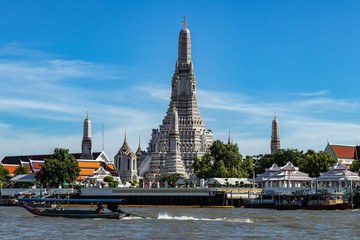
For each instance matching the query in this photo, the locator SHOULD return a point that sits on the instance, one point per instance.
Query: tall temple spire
(138, 151)
(184, 51)
(86, 145)
(229, 140)
(275, 137)
(182, 134)
(125, 147)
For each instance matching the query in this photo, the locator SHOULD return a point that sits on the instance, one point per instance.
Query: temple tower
(190, 136)
(86, 145)
(275, 137)
(126, 163)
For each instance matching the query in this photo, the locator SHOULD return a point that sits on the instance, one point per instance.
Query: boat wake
(165, 216)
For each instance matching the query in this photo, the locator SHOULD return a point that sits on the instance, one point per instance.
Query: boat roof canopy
(72, 200)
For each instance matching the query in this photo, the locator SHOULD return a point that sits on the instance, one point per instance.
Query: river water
(186, 223)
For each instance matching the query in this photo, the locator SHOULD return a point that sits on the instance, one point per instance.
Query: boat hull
(73, 213)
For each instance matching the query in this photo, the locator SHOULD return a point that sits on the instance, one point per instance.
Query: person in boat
(100, 208)
(57, 207)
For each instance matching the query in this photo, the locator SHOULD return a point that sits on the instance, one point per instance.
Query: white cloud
(319, 93)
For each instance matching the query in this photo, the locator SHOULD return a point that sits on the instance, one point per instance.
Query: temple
(182, 136)
(275, 137)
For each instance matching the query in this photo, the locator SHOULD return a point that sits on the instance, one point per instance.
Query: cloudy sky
(115, 59)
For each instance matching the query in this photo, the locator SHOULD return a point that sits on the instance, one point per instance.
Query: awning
(24, 178)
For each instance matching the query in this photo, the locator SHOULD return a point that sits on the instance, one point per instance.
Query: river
(187, 223)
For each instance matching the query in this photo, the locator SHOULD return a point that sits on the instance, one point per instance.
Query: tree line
(225, 161)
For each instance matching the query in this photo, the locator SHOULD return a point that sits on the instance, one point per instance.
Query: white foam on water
(166, 216)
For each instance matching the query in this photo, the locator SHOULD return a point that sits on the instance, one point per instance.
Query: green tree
(283, 156)
(3, 174)
(247, 166)
(316, 163)
(59, 165)
(113, 184)
(108, 179)
(355, 166)
(171, 178)
(311, 162)
(21, 170)
(222, 160)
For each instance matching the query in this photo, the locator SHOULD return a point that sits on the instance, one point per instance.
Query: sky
(115, 60)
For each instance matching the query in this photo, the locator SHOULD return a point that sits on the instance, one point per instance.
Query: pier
(148, 196)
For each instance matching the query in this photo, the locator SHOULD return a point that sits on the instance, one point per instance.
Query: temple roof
(344, 151)
(289, 167)
(273, 168)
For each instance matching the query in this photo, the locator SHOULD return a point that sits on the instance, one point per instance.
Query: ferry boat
(52, 209)
(318, 201)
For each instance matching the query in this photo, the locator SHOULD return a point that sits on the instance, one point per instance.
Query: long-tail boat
(53, 208)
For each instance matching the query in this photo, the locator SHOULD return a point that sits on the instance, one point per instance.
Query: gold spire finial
(87, 115)
(174, 107)
(184, 22)
(275, 115)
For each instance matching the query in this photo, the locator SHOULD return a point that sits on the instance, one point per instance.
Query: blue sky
(115, 59)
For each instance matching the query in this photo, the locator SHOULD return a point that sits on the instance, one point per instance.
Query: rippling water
(187, 223)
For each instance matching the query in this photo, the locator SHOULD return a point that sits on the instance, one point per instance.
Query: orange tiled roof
(87, 172)
(80, 178)
(11, 168)
(344, 151)
(110, 166)
(89, 164)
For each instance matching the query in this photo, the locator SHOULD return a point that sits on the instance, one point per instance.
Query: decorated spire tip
(184, 22)
(275, 115)
(174, 107)
(87, 115)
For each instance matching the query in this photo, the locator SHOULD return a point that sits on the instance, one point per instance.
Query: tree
(60, 166)
(3, 174)
(311, 162)
(108, 179)
(283, 156)
(247, 166)
(171, 178)
(222, 160)
(316, 163)
(21, 170)
(355, 166)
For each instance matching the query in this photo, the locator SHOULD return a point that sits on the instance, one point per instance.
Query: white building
(288, 176)
(337, 178)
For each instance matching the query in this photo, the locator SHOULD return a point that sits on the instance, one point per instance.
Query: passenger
(100, 208)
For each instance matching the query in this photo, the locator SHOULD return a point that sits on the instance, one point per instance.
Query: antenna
(103, 137)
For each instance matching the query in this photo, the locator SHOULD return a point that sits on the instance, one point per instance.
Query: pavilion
(288, 177)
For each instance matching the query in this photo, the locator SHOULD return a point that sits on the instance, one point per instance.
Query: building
(337, 178)
(275, 137)
(88, 161)
(346, 154)
(182, 134)
(126, 162)
(287, 176)
(86, 145)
